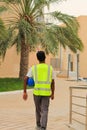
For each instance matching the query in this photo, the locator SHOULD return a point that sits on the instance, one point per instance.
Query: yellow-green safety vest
(42, 74)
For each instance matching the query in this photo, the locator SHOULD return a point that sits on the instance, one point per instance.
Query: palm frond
(10, 1)
(24, 24)
(2, 8)
(68, 20)
(4, 44)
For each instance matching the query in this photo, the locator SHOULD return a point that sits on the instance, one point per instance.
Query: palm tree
(3, 34)
(27, 32)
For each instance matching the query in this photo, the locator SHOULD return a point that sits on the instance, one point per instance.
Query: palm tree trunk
(24, 60)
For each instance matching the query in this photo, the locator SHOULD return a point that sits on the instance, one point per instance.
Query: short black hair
(41, 55)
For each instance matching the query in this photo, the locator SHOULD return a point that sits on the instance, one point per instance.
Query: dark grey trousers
(42, 105)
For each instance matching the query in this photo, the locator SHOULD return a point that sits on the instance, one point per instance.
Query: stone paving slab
(17, 114)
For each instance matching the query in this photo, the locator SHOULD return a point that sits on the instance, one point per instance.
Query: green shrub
(10, 84)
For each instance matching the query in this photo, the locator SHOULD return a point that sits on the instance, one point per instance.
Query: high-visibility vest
(42, 74)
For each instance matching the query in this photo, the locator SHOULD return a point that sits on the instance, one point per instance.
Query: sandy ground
(17, 114)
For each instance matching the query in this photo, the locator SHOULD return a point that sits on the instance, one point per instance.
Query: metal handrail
(78, 105)
(78, 97)
(75, 104)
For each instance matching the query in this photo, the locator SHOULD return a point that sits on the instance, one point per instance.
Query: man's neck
(40, 62)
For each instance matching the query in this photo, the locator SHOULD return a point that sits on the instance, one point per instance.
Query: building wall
(10, 66)
(83, 35)
(82, 55)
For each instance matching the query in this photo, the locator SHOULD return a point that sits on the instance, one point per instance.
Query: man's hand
(52, 96)
(25, 96)
(52, 89)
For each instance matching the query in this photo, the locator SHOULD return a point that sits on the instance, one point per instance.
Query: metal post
(68, 65)
(77, 67)
(60, 58)
(70, 118)
(86, 113)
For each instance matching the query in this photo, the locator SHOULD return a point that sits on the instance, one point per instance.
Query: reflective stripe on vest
(45, 89)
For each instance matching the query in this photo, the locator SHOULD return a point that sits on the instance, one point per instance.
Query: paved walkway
(17, 114)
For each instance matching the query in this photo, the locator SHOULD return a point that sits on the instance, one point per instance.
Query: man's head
(41, 56)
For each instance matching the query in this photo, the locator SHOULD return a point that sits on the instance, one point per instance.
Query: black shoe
(42, 128)
(38, 127)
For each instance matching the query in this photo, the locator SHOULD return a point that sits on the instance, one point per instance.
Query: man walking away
(42, 74)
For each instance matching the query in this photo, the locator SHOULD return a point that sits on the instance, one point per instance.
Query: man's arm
(25, 88)
(52, 89)
(29, 74)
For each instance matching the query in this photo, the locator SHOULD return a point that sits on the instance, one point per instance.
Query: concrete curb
(13, 92)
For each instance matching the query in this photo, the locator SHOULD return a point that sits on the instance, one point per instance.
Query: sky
(71, 7)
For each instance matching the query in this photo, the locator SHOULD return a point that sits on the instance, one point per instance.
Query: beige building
(83, 35)
(76, 66)
(10, 66)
